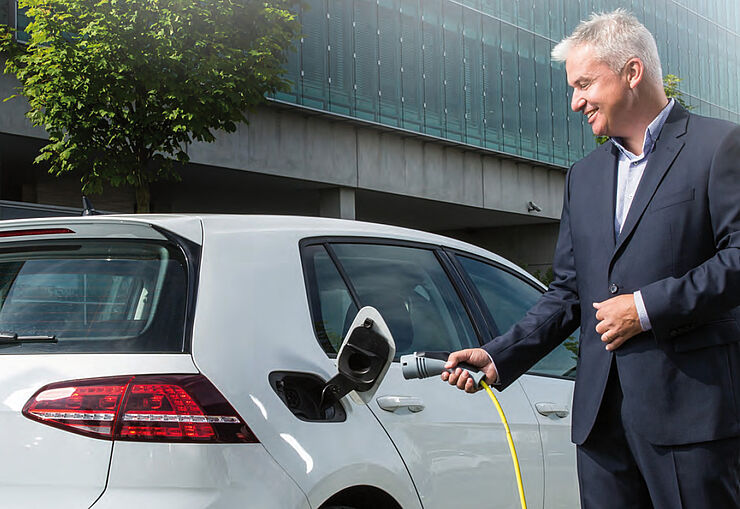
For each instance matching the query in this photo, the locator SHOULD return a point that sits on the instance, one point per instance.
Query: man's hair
(615, 37)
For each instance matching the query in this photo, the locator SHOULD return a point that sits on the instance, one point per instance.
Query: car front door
(452, 443)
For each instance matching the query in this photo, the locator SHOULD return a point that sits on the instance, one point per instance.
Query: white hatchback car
(179, 361)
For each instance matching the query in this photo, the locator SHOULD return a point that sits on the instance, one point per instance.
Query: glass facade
(479, 72)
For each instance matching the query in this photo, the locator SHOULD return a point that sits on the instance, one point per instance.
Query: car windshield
(93, 295)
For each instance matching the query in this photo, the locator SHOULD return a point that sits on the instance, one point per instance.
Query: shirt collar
(651, 134)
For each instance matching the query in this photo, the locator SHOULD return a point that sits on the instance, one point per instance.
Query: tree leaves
(122, 87)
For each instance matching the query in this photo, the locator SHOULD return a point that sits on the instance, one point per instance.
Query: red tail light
(162, 408)
(36, 231)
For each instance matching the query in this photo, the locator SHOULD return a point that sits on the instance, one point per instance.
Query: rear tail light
(160, 408)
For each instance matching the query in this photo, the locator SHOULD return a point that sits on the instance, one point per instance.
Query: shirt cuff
(495, 382)
(642, 312)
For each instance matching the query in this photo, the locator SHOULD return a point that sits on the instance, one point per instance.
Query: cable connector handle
(426, 364)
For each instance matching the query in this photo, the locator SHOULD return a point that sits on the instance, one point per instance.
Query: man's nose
(577, 102)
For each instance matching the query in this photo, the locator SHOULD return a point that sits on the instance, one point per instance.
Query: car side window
(407, 285)
(331, 302)
(507, 298)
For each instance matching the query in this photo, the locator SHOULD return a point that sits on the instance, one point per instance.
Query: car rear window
(93, 296)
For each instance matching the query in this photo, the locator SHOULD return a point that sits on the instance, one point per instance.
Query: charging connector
(426, 364)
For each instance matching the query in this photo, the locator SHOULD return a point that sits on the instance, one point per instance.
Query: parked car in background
(179, 361)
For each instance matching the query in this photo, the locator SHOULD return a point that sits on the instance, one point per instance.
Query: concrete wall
(292, 143)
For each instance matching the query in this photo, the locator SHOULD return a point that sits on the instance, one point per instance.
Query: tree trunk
(142, 198)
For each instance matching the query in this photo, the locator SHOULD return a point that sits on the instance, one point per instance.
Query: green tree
(122, 87)
(670, 85)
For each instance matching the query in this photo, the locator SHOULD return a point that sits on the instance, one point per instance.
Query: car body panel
(58, 468)
(194, 476)
(559, 454)
(322, 457)
(458, 440)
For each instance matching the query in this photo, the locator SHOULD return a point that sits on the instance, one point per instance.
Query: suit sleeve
(550, 321)
(713, 286)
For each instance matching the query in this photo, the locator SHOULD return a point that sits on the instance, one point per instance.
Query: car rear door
(505, 296)
(78, 301)
(452, 442)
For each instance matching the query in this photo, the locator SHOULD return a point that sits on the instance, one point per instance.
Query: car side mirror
(363, 359)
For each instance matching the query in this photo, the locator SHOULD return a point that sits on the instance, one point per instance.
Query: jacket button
(613, 288)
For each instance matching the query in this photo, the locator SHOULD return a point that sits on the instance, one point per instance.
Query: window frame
(309, 277)
(488, 320)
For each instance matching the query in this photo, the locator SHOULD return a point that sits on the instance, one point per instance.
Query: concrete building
(443, 115)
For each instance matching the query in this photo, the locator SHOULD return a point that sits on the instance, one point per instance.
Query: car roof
(193, 227)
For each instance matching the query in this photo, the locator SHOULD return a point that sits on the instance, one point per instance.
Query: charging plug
(426, 364)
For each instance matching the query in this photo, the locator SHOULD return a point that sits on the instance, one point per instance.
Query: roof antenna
(87, 207)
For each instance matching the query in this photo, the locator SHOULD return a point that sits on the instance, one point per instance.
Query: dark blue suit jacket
(680, 245)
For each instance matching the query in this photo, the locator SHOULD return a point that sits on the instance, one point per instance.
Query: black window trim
(493, 329)
(470, 306)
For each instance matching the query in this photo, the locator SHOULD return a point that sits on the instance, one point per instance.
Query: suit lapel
(667, 147)
(606, 194)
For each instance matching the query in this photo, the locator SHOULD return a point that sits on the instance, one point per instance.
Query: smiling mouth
(590, 114)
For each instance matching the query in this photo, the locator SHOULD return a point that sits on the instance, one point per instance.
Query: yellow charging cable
(512, 449)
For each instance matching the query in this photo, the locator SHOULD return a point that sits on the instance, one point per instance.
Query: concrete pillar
(337, 202)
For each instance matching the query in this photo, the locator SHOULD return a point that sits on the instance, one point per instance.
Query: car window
(331, 303)
(93, 296)
(507, 298)
(410, 289)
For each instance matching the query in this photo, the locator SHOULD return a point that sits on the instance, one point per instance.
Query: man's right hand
(461, 378)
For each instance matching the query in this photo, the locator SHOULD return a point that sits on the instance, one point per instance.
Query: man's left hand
(618, 320)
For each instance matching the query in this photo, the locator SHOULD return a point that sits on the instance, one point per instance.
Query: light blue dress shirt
(630, 168)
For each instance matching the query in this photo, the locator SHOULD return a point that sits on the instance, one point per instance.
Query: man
(648, 265)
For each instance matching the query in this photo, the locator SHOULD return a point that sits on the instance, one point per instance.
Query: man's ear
(633, 71)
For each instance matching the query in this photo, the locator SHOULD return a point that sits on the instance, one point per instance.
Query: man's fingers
(456, 358)
(463, 377)
(616, 343)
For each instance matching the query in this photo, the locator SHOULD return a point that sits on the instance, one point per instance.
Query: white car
(179, 361)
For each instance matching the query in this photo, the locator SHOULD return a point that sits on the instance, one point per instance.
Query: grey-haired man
(648, 265)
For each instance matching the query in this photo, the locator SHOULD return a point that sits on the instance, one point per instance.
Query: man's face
(598, 92)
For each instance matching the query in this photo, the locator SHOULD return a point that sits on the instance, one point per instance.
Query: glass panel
(560, 108)
(413, 294)
(4, 13)
(510, 87)
(366, 59)
(557, 20)
(314, 55)
(433, 68)
(389, 22)
(94, 296)
(412, 85)
(507, 299)
(541, 17)
(454, 80)
(525, 14)
(544, 99)
(491, 30)
(473, 68)
(562, 361)
(341, 63)
(332, 308)
(527, 96)
(21, 22)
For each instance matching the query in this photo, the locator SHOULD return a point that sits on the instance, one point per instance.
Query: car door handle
(393, 403)
(548, 409)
